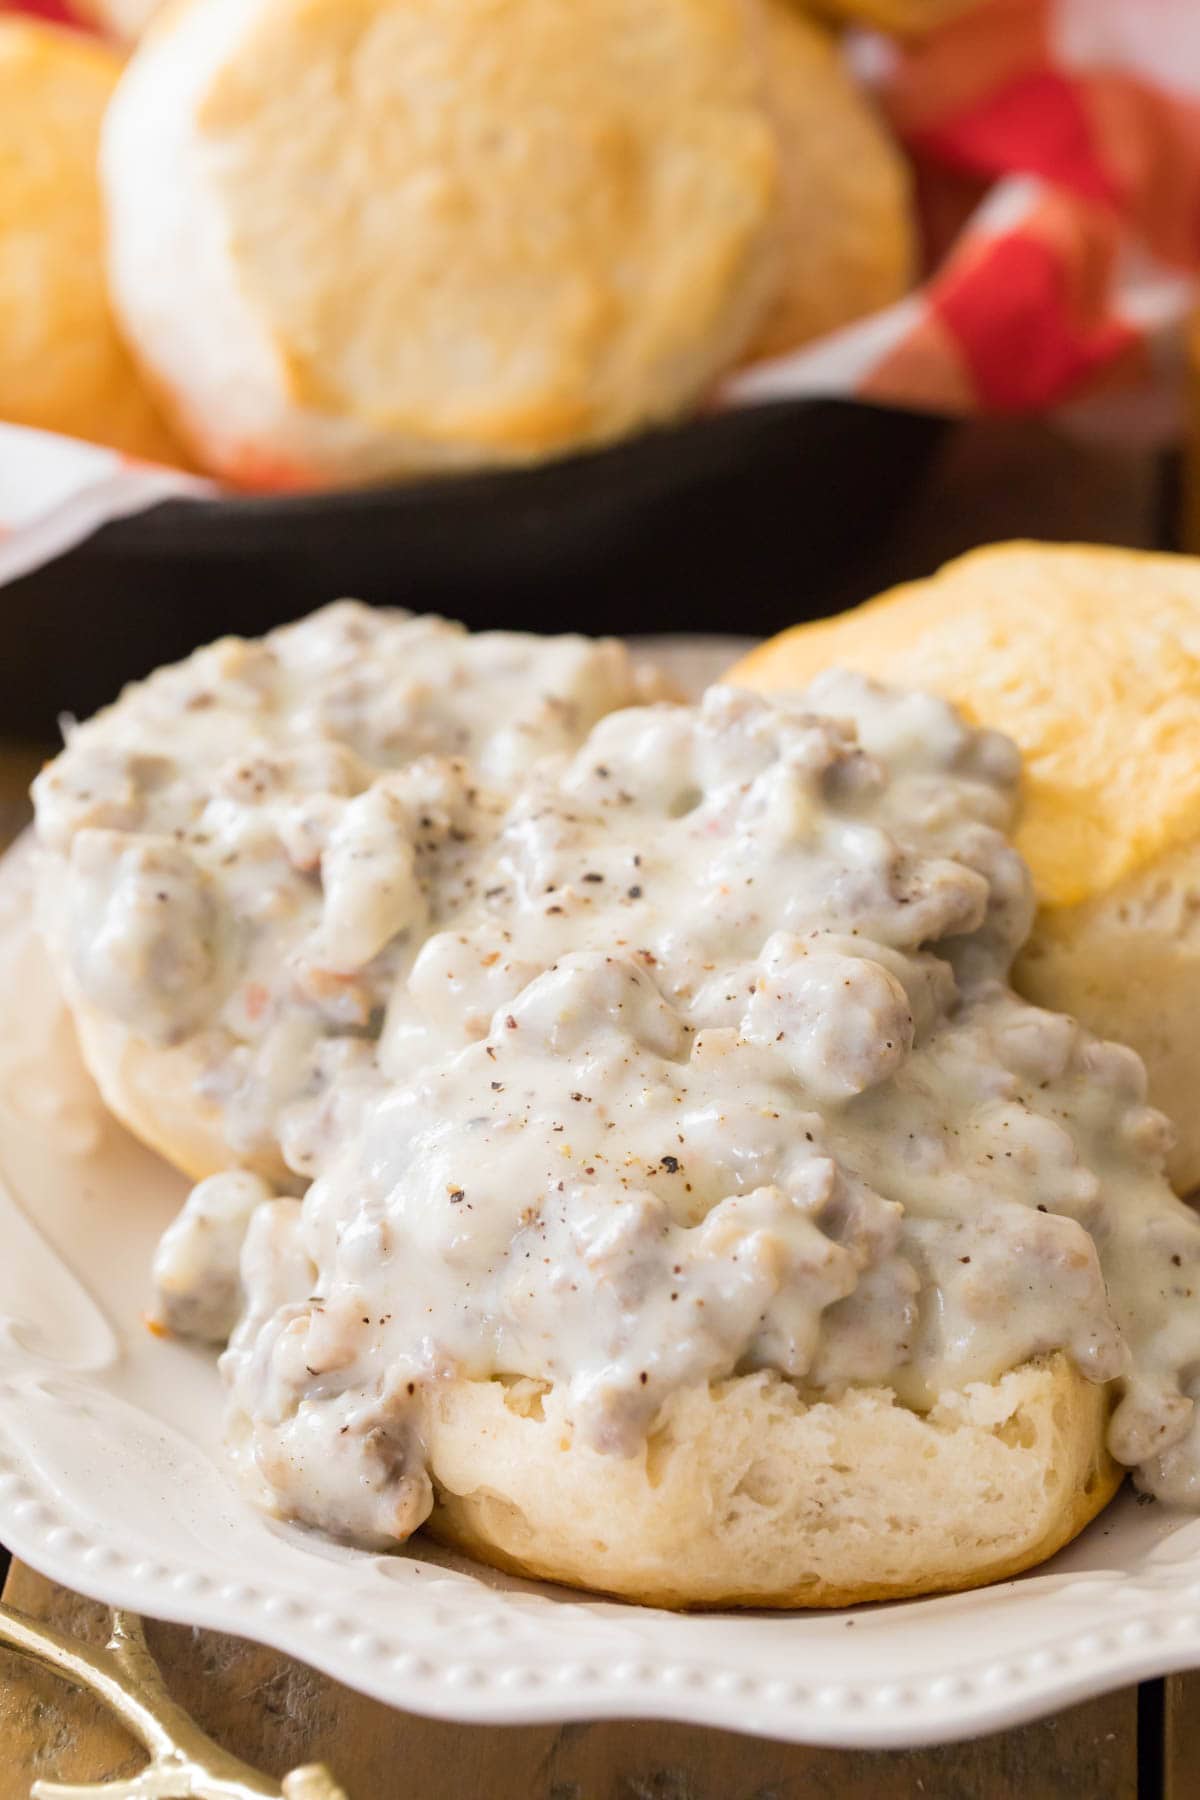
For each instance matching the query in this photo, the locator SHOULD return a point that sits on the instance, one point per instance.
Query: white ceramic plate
(111, 1481)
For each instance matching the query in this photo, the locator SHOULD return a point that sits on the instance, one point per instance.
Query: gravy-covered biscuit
(1090, 659)
(223, 874)
(694, 1210)
(723, 1255)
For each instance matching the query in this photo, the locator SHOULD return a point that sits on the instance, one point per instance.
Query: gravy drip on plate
(695, 1055)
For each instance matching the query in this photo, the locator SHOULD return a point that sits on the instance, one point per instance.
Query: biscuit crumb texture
(745, 1496)
(359, 240)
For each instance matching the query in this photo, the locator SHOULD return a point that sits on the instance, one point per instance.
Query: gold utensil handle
(185, 1763)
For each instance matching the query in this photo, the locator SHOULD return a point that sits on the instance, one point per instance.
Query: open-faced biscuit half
(63, 366)
(1090, 659)
(848, 231)
(351, 242)
(744, 1495)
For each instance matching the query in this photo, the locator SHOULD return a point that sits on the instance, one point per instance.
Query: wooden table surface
(276, 1713)
(1135, 1745)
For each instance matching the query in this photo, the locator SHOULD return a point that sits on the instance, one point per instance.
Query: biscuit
(63, 366)
(1090, 659)
(745, 1496)
(848, 235)
(199, 845)
(354, 242)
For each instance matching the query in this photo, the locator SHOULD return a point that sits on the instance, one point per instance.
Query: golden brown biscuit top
(514, 223)
(62, 365)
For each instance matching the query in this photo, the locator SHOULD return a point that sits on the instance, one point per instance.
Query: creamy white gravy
(244, 850)
(696, 1054)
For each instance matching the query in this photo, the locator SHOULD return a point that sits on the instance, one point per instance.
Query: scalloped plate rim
(837, 1722)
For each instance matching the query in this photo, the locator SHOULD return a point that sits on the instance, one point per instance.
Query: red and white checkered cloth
(1057, 151)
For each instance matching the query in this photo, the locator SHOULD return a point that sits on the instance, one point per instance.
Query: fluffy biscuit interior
(745, 1495)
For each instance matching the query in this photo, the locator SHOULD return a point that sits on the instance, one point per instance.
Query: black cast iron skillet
(737, 522)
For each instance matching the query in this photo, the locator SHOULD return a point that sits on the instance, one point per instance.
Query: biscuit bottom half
(746, 1495)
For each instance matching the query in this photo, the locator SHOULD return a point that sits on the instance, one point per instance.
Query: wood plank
(1181, 1738)
(277, 1713)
